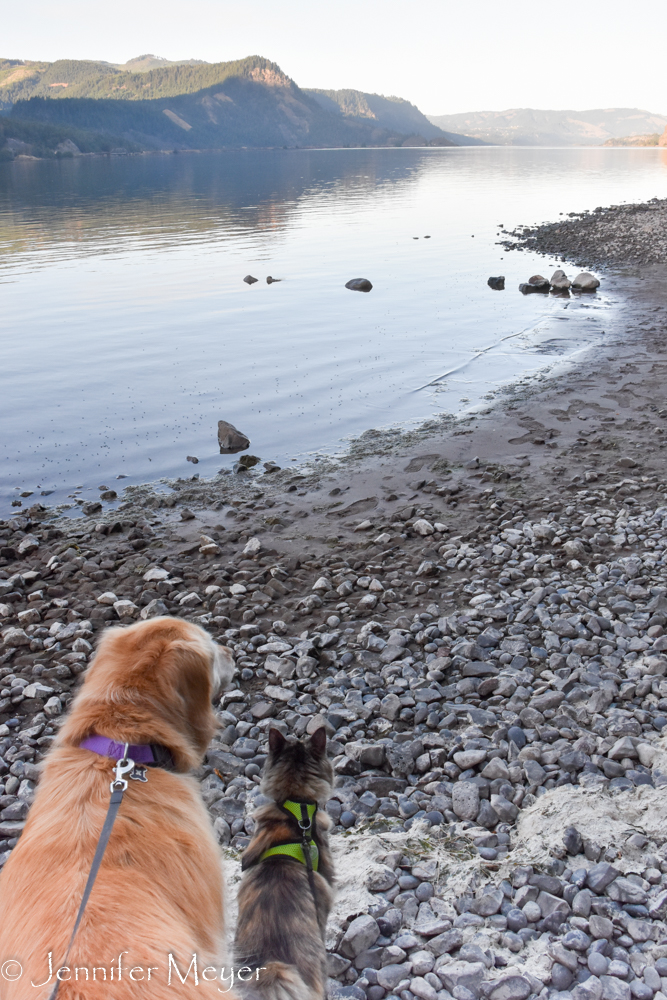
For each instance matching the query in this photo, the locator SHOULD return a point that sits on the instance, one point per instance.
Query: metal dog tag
(138, 773)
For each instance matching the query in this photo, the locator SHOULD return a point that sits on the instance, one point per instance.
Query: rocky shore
(477, 612)
(621, 235)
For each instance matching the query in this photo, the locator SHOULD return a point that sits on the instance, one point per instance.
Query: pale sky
(444, 56)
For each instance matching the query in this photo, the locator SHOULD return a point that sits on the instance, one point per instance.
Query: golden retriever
(158, 897)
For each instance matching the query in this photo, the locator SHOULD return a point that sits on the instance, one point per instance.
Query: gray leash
(118, 787)
(306, 826)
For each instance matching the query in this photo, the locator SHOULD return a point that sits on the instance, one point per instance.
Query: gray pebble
(598, 964)
(516, 919)
(561, 977)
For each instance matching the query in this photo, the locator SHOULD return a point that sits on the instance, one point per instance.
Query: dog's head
(153, 683)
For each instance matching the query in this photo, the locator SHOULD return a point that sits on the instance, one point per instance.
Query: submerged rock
(359, 285)
(230, 439)
(249, 280)
(248, 461)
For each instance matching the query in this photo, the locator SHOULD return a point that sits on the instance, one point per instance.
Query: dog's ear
(318, 741)
(223, 668)
(276, 741)
(186, 681)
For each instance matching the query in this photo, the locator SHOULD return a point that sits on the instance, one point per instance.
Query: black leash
(118, 788)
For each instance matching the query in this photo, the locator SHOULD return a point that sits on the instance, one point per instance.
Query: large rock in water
(539, 282)
(359, 284)
(560, 281)
(231, 440)
(535, 284)
(498, 284)
(585, 282)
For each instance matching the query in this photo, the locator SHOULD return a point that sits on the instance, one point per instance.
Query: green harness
(303, 813)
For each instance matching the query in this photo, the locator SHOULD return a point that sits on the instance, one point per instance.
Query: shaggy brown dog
(281, 921)
(159, 889)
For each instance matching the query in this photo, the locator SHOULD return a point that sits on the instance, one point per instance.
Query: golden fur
(280, 925)
(159, 889)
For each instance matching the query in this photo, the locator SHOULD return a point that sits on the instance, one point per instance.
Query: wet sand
(595, 424)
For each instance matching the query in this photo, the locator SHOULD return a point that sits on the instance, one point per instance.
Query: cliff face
(662, 141)
(392, 113)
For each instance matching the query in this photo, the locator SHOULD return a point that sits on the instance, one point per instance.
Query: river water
(128, 332)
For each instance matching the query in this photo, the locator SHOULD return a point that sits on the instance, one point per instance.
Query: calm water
(127, 331)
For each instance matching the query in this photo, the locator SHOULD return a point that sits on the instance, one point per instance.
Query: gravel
(528, 661)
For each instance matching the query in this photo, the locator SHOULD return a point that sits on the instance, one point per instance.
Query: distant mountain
(393, 113)
(250, 102)
(530, 127)
(140, 64)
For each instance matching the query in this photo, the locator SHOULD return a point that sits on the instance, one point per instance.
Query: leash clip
(305, 823)
(123, 766)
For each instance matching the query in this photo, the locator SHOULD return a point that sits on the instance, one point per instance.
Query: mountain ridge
(245, 103)
(536, 127)
(154, 103)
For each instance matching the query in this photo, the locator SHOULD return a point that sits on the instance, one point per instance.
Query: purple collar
(139, 753)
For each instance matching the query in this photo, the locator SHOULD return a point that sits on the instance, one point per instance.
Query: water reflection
(67, 205)
(128, 332)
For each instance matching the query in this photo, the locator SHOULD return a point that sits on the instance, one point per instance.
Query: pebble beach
(477, 613)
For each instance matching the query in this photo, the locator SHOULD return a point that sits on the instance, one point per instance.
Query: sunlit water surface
(128, 332)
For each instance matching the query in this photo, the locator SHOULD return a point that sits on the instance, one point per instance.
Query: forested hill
(250, 102)
(21, 138)
(68, 78)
